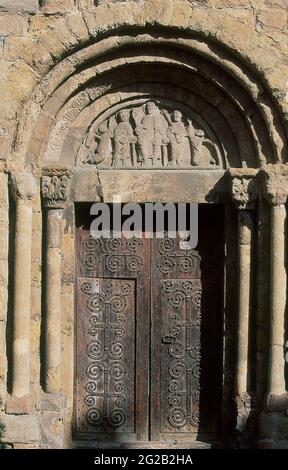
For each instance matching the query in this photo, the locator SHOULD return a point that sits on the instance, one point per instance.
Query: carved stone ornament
(151, 136)
(244, 189)
(275, 184)
(23, 186)
(55, 187)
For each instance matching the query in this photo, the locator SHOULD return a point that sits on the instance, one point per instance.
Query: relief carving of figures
(123, 138)
(201, 156)
(149, 136)
(101, 148)
(177, 135)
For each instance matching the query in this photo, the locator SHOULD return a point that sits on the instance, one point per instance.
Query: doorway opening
(149, 329)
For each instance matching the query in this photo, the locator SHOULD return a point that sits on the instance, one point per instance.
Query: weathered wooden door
(138, 340)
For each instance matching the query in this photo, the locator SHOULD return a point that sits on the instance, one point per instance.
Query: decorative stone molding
(55, 186)
(275, 184)
(23, 186)
(244, 188)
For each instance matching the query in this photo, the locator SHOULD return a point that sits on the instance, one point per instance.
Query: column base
(276, 402)
(273, 430)
(19, 405)
(246, 421)
(52, 420)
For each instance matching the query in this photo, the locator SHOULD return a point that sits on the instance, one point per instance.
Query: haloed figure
(151, 134)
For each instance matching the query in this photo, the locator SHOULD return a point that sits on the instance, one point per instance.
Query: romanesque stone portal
(145, 101)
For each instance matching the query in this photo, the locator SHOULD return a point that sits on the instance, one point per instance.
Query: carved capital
(55, 186)
(244, 189)
(274, 180)
(23, 186)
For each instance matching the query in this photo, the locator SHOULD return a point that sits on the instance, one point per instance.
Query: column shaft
(276, 382)
(24, 188)
(53, 301)
(244, 247)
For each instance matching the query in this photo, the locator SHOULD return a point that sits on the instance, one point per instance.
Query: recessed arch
(193, 64)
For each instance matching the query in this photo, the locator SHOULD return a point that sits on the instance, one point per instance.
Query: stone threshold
(143, 445)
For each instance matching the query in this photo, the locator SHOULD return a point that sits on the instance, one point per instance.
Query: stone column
(244, 195)
(23, 188)
(55, 193)
(275, 188)
(245, 221)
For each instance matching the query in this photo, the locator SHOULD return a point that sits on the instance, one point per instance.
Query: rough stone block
(52, 402)
(58, 6)
(272, 18)
(3, 189)
(6, 135)
(51, 425)
(19, 81)
(19, 405)
(273, 425)
(27, 6)
(22, 428)
(15, 25)
(25, 446)
(264, 444)
(77, 25)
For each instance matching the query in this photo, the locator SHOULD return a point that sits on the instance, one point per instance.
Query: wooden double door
(139, 331)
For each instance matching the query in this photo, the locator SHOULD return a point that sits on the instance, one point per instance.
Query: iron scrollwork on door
(180, 354)
(171, 257)
(107, 380)
(117, 254)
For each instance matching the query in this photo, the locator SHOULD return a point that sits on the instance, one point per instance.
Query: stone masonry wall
(35, 35)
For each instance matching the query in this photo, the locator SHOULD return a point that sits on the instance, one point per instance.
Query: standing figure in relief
(123, 138)
(151, 134)
(177, 135)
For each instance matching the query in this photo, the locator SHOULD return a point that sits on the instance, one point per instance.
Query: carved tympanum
(148, 136)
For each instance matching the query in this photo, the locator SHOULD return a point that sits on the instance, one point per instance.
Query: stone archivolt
(151, 136)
